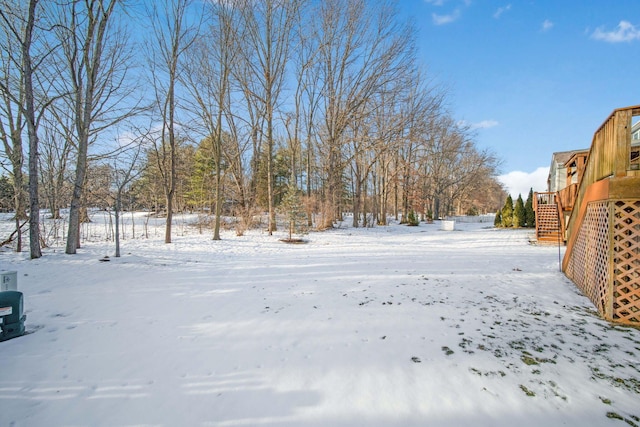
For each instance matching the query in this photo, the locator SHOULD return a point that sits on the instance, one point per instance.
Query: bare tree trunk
(171, 36)
(34, 204)
(18, 196)
(357, 197)
(270, 175)
(395, 188)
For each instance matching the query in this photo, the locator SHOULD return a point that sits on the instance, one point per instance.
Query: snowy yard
(390, 326)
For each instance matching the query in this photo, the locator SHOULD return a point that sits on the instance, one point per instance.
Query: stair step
(548, 224)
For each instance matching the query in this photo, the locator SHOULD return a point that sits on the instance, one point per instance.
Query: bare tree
(93, 65)
(450, 162)
(268, 30)
(302, 124)
(207, 71)
(12, 119)
(362, 48)
(475, 173)
(55, 156)
(171, 37)
(125, 168)
(423, 106)
(20, 26)
(242, 190)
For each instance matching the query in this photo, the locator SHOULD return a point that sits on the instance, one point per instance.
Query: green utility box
(11, 317)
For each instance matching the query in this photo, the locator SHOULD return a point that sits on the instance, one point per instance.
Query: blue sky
(532, 77)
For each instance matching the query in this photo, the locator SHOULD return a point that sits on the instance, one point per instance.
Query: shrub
(412, 218)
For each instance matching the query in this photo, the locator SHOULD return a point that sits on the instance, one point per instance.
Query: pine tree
(6, 194)
(519, 218)
(507, 212)
(293, 208)
(497, 222)
(529, 213)
(200, 190)
(412, 218)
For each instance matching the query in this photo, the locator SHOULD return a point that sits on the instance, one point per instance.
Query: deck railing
(544, 198)
(567, 196)
(609, 156)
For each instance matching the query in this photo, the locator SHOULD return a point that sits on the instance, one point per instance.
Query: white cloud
(518, 182)
(547, 25)
(624, 32)
(501, 10)
(445, 19)
(435, 2)
(484, 124)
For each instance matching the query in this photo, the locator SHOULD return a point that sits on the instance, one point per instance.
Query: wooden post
(622, 142)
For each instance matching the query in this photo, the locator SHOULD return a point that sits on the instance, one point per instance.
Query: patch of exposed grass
(529, 360)
(615, 416)
(605, 400)
(447, 350)
(631, 384)
(488, 373)
(527, 391)
(517, 345)
(601, 348)
(464, 344)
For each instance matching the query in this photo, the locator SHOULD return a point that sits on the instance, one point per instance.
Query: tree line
(230, 108)
(518, 214)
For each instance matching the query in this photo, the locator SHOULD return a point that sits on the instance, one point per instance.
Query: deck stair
(549, 228)
(548, 224)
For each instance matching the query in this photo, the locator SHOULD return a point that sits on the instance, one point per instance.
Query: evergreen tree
(519, 218)
(200, 189)
(281, 173)
(507, 212)
(6, 194)
(412, 218)
(473, 211)
(292, 207)
(529, 213)
(497, 222)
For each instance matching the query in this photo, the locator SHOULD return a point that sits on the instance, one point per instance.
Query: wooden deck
(603, 227)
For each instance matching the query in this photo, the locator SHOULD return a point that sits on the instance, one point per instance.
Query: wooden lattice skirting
(605, 261)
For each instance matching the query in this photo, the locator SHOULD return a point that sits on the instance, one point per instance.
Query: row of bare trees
(224, 106)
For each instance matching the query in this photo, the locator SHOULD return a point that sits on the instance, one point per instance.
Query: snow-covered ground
(390, 326)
